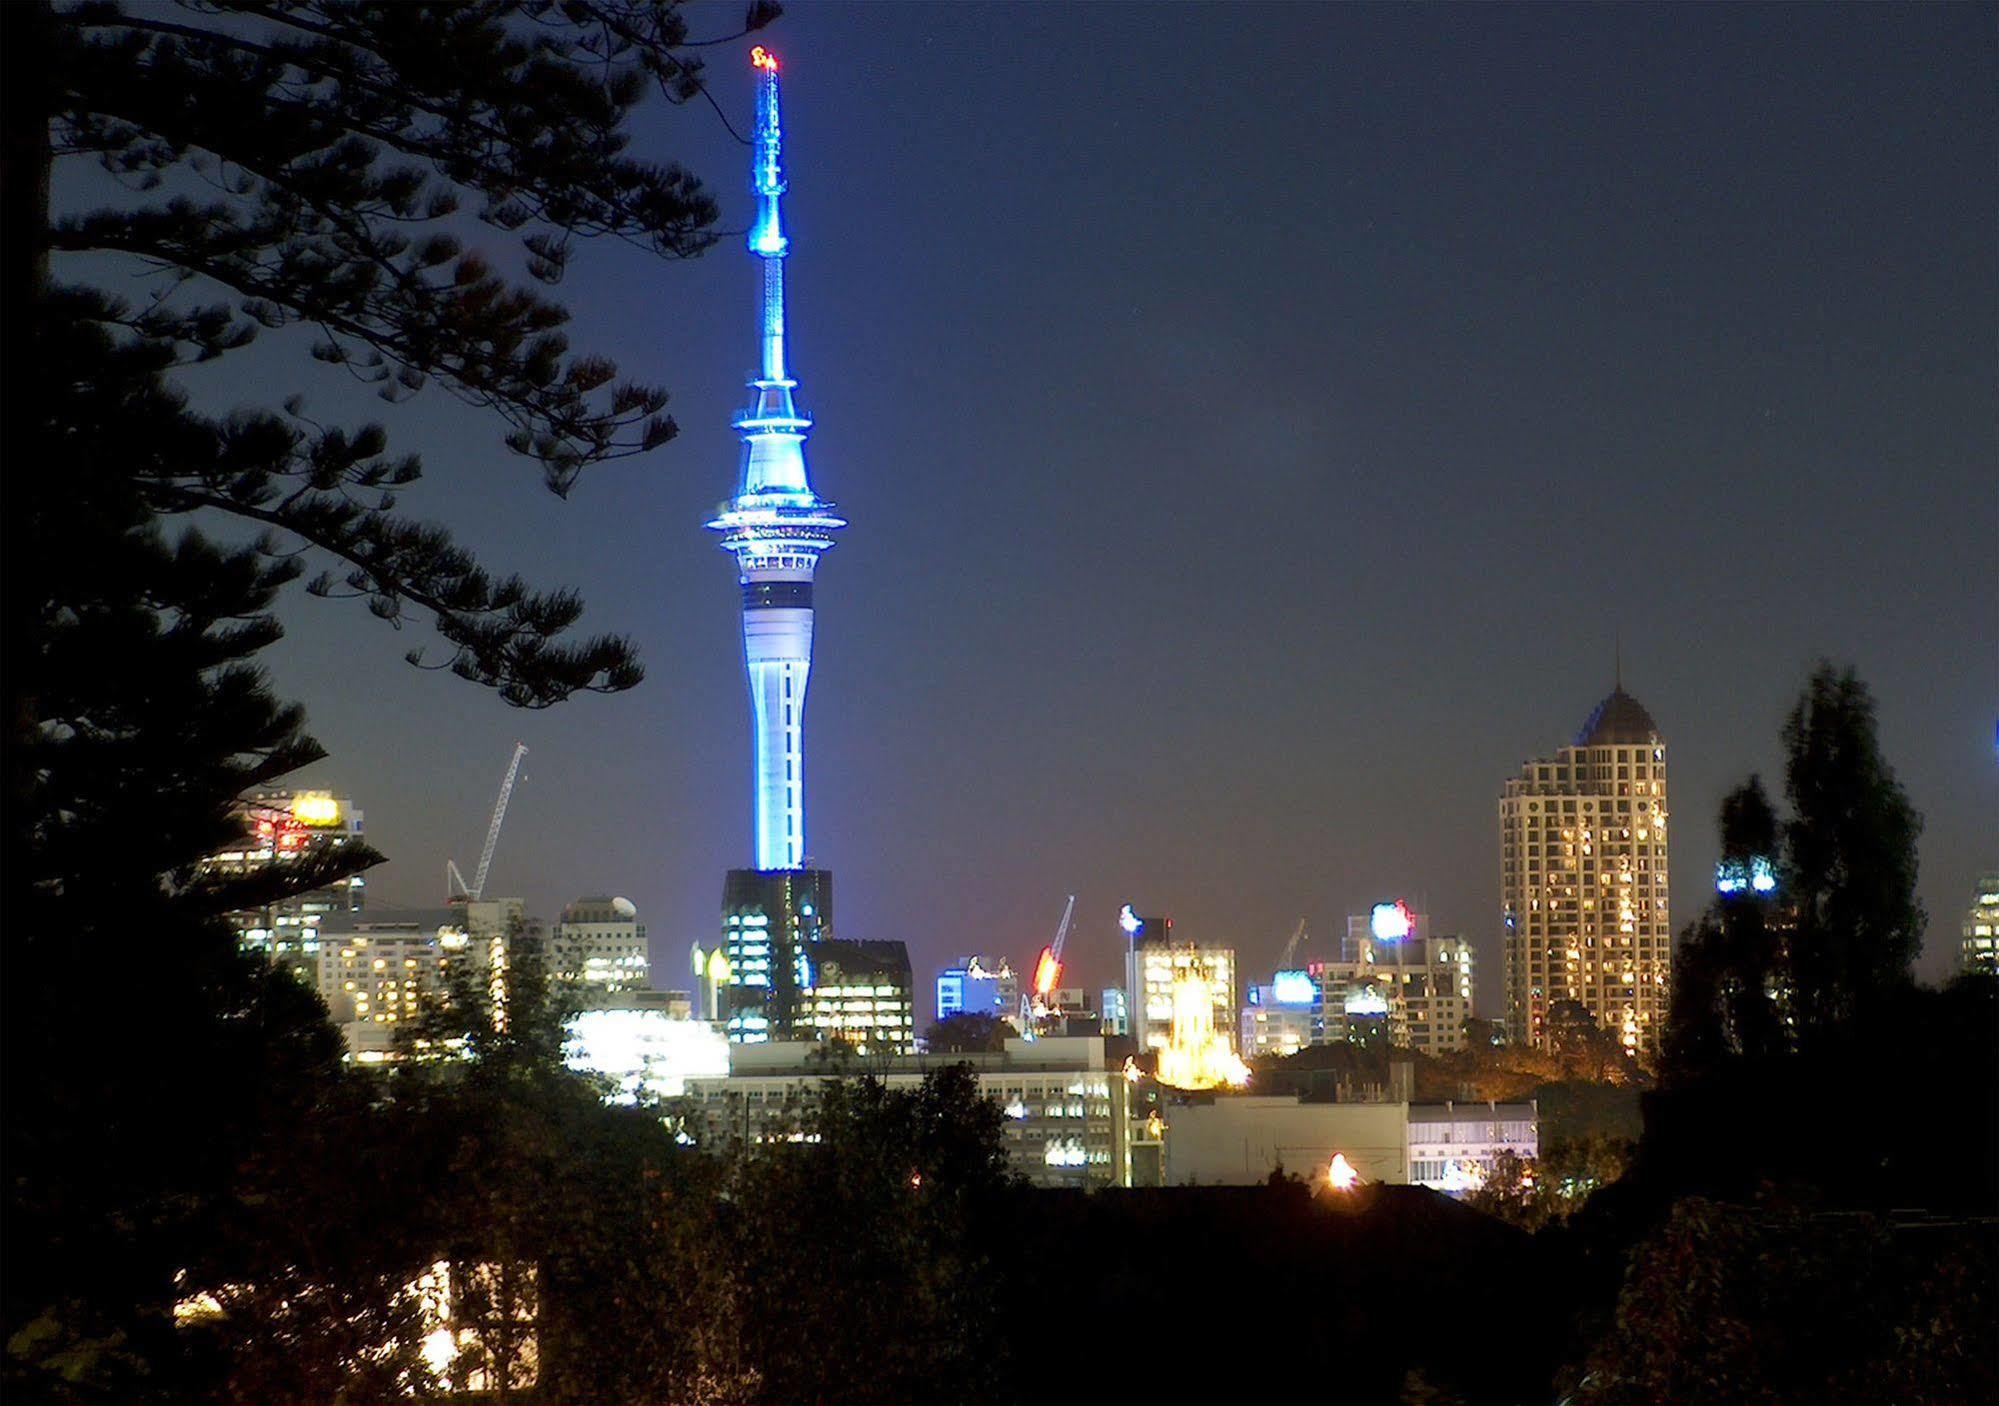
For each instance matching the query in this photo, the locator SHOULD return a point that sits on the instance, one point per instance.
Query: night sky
(1257, 426)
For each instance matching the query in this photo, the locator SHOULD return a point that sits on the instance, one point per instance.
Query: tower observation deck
(775, 527)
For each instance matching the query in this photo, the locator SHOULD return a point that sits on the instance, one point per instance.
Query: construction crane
(454, 881)
(1291, 947)
(1047, 972)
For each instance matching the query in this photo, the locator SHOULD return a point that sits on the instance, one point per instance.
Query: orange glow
(1047, 971)
(1341, 1174)
(762, 58)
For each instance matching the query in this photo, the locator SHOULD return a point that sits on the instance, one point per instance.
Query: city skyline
(1053, 681)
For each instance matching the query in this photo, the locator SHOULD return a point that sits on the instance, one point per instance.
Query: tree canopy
(181, 181)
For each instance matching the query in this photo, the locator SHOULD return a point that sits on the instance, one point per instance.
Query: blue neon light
(1293, 988)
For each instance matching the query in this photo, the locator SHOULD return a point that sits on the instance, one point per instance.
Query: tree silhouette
(303, 170)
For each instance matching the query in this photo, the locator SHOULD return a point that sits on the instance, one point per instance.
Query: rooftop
(1619, 721)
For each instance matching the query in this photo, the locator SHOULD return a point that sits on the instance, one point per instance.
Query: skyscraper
(1583, 881)
(776, 528)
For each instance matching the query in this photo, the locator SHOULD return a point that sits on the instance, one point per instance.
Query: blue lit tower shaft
(776, 527)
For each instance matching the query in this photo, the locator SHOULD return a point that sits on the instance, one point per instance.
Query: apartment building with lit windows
(1584, 894)
(373, 973)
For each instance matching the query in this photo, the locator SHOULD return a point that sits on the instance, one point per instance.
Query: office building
(862, 993)
(1981, 928)
(601, 944)
(1160, 966)
(284, 827)
(373, 973)
(1069, 1115)
(1583, 882)
(1116, 1011)
(770, 920)
(1395, 982)
(1277, 1016)
(978, 986)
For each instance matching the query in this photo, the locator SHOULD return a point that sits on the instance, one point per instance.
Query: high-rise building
(776, 528)
(1981, 927)
(601, 943)
(1583, 881)
(770, 920)
(287, 827)
(862, 993)
(977, 986)
(1161, 968)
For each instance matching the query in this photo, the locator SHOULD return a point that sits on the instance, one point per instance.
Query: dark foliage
(1766, 974)
(1781, 1303)
(284, 165)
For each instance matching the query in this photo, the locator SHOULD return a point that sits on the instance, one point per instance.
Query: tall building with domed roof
(1583, 881)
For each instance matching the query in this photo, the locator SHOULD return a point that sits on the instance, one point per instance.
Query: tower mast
(776, 527)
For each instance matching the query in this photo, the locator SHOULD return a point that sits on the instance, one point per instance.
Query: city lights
(1391, 922)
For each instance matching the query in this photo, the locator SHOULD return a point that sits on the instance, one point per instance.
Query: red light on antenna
(762, 58)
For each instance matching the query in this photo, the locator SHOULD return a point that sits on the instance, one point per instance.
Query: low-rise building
(860, 992)
(1068, 1112)
(1238, 1140)
(979, 986)
(646, 1044)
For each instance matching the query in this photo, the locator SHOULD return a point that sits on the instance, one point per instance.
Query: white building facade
(1069, 1114)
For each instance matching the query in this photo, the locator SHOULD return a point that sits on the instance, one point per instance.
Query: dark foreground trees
(1810, 1212)
(180, 181)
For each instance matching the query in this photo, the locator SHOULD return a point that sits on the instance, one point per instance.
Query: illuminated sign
(1367, 1001)
(315, 809)
(1734, 878)
(1129, 921)
(1293, 989)
(1391, 922)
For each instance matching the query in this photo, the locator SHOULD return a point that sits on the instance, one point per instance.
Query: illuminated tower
(775, 914)
(776, 526)
(1583, 882)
